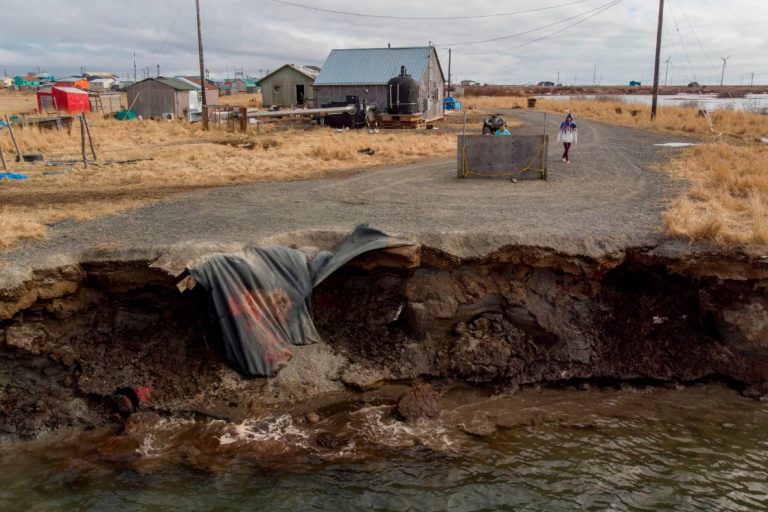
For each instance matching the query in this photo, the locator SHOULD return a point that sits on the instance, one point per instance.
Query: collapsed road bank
(75, 337)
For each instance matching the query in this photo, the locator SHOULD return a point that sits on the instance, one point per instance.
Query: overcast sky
(61, 36)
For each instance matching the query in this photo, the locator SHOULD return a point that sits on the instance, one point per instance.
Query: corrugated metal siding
(372, 66)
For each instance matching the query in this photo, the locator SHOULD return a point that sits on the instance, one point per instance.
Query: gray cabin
(289, 85)
(163, 97)
(365, 72)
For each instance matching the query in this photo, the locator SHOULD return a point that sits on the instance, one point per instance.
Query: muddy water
(700, 448)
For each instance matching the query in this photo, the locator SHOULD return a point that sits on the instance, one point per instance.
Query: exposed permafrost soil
(73, 337)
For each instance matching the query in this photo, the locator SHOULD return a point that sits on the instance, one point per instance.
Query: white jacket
(568, 134)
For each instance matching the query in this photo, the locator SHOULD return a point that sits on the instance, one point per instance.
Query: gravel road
(609, 198)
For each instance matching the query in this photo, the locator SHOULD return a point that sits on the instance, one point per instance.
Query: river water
(699, 448)
(755, 103)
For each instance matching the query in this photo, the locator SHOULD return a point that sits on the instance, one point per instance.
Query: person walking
(567, 135)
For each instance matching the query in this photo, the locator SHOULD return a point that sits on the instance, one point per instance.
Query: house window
(276, 89)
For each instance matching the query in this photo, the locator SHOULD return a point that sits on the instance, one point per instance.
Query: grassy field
(726, 201)
(184, 158)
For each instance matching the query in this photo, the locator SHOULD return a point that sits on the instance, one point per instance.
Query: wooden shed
(289, 85)
(365, 72)
(163, 97)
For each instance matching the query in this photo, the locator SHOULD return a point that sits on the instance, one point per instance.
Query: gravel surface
(608, 199)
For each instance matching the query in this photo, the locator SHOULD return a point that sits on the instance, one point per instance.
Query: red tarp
(65, 99)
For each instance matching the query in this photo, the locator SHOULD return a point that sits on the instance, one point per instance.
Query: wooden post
(657, 62)
(88, 131)
(56, 108)
(2, 159)
(13, 138)
(200, 55)
(243, 119)
(206, 115)
(82, 141)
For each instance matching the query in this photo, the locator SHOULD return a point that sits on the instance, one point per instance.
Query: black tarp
(261, 296)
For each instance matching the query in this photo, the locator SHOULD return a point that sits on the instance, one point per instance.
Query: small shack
(164, 98)
(289, 85)
(365, 73)
(62, 99)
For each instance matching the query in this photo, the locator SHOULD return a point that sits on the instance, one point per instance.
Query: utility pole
(657, 62)
(752, 81)
(158, 70)
(666, 73)
(449, 72)
(594, 76)
(200, 51)
(558, 78)
(134, 66)
(722, 75)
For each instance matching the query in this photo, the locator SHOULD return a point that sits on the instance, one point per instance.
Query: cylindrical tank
(403, 94)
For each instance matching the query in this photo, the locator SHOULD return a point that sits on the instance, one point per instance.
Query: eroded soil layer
(75, 338)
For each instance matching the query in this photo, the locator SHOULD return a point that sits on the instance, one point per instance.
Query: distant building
(63, 100)
(365, 73)
(694, 84)
(103, 84)
(545, 84)
(635, 83)
(289, 85)
(163, 98)
(6, 81)
(101, 74)
(73, 81)
(25, 81)
(238, 86)
(44, 77)
(211, 91)
(469, 83)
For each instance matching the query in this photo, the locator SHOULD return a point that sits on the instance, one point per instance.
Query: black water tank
(403, 94)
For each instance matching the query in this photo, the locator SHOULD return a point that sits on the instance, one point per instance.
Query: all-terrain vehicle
(493, 123)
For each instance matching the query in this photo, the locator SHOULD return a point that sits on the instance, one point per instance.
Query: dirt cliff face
(73, 338)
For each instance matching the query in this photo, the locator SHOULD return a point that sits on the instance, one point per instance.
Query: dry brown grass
(184, 158)
(727, 199)
(242, 100)
(17, 102)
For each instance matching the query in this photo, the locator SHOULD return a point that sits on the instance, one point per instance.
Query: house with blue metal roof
(363, 73)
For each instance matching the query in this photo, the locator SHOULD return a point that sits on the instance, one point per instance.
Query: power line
(551, 34)
(693, 30)
(426, 18)
(682, 43)
(173, 24)
(536, 29)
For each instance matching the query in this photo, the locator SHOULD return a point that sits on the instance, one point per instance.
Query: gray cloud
(61, 36)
